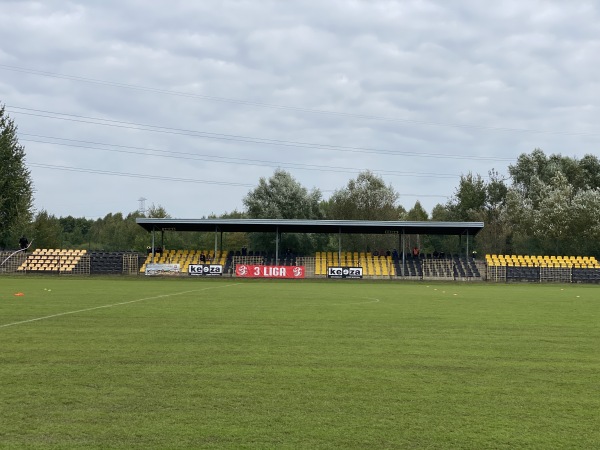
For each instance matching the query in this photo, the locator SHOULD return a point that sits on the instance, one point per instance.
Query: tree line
(546, 205)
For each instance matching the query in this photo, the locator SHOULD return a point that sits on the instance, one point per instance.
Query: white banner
(344, 272)
(154, 269)
(207, 270)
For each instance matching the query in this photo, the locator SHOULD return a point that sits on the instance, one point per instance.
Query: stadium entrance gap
(339, 227)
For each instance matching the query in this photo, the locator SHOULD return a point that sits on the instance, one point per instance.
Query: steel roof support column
(340, 245)
(217, 241)
(403, 253)
(277, 246)
(467, 255)
(152, 250)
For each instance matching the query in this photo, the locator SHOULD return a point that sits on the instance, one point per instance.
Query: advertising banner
(207, 270)
(154, 269)
(344, 272)
(259, 271)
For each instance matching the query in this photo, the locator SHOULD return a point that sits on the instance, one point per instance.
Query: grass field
(174, 363)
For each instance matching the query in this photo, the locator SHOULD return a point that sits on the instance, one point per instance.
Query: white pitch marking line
(114, 304)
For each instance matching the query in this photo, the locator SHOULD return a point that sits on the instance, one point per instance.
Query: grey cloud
(525, 65)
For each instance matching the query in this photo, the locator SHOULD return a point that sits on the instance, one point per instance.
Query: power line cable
(288, 108)
(137, 175)
(236, 138)
(221, 159)
(177, 179)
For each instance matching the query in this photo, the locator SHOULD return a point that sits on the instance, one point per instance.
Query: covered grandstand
(339, 227)
(393, 264)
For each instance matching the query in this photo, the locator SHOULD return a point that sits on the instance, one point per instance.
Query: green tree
(550, 206)
(470, 198)
(581, 174)
(230, 240)
(282, 197)
(46, 231)
(528, 168)
(496, 235)
(591, 168)
(552, 220)
(447, 244)
(417, 213)
(366, 198)
(114, 232)
(585, 215)
(480, 200)
(16, 188)
(157, 212)
(75, 231)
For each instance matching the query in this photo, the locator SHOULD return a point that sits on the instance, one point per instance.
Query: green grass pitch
(207, 363)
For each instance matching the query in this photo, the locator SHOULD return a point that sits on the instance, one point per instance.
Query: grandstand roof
(312, 226)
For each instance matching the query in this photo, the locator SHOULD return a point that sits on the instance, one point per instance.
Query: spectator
(23, 243)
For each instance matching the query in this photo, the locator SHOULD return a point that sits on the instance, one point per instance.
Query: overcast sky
(188, 103)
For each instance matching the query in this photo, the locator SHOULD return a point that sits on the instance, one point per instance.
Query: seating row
(186, 257)
(52, 260)
(61, 252)
(539, 274)
(373, 265)
(541, 261)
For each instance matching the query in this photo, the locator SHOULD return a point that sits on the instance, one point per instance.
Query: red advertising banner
(256, 271)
